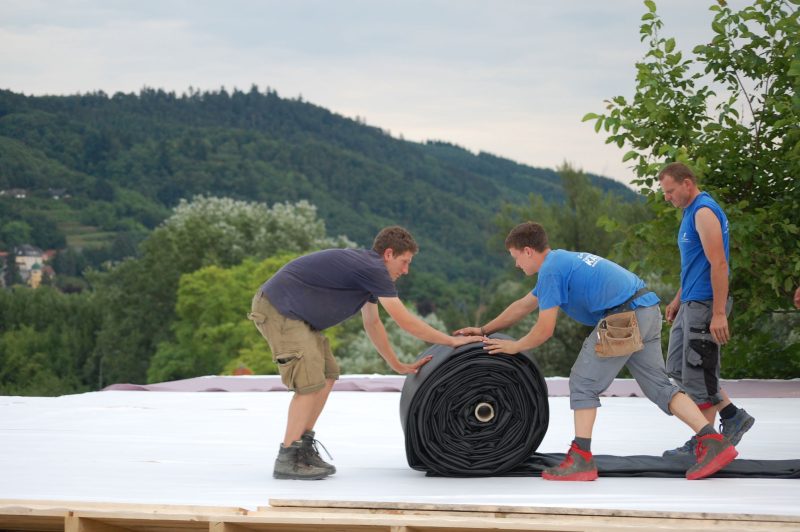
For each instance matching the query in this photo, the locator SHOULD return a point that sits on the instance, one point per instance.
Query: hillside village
(31, 265)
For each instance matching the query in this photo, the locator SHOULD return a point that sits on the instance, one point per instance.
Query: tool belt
(618, 333)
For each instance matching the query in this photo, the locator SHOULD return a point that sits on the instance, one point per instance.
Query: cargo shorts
(693, 357)
(302, 354)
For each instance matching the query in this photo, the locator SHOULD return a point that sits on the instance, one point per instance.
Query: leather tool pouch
(618, 335)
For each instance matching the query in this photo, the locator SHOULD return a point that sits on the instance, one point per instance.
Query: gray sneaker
(687, 449)
(735, 427)
(312, 453)
(292, 463)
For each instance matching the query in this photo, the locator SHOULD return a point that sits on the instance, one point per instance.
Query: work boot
(713, 452)
(735, 427)
(578, 465)
(312, 453)
(292, 463)
(687, 449)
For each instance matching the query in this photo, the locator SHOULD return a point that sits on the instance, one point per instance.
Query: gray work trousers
(592, 374)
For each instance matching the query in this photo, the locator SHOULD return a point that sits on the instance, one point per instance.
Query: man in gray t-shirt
(320, 290)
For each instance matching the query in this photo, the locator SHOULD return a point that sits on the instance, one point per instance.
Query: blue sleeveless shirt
(695, 268)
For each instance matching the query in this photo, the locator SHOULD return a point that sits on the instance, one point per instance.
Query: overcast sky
(512, 78)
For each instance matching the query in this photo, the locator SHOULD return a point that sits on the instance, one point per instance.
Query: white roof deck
(217, 449)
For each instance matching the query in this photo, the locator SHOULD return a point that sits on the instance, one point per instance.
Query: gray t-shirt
(327, 287)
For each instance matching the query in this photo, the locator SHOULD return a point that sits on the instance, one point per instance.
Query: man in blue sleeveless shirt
(317, 291)
(699, 311)
(586, 287)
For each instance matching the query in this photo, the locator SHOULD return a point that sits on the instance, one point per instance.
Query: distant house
(19, 193)
(35, 276)
(30, 262)
(57, 193)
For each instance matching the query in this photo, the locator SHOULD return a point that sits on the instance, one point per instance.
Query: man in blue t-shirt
(317, 291)
(588, 288)
(699, 311)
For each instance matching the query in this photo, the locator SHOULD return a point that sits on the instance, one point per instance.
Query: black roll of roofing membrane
(468, 413)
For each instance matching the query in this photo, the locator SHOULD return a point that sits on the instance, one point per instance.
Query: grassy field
(67, 219)
(85, 236)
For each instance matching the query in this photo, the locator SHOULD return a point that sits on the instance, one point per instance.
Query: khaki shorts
(303, 355)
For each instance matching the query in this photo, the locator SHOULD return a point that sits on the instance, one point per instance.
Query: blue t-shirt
(327, 287)
(585, 286)
(695, 268)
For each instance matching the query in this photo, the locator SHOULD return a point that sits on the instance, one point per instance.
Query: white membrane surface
(218, 449)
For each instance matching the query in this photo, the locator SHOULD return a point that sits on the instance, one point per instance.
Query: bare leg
(684, 409)
(301, 409)
(711, 413)
(320, 404)
(584, 422)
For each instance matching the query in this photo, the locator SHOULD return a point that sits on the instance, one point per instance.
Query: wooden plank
(31, 522)
(325, 505)
(81, 524)
(387, 518)
(306, 522)
(67, 506)
(13, 517)
(221, 526)
(149, 522)
(464, 522)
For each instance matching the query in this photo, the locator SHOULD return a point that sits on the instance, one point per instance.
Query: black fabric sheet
(450, 431)
(656, 466)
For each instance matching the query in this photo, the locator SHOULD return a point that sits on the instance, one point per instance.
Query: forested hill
(134, 155)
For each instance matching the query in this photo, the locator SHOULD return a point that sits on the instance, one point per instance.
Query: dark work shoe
(735, 427)
(687, 449)
(713, 452)
(578, 465)
(291, 463)
(312, 453)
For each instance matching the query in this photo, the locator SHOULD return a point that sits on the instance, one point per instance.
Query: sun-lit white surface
(218, 449)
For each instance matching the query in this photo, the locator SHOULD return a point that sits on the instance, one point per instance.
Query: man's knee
(582, 393)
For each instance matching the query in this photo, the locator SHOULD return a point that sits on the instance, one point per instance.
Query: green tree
(15, 233)
(25, 369)
(588, 219)
(140, 294)
(729, 110)
(45, 339)
(212, 334)
(11, 274)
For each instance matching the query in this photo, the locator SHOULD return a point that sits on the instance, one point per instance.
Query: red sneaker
(578, 465)
(713, 452)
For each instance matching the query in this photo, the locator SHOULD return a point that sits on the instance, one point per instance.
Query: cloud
(510, 78)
